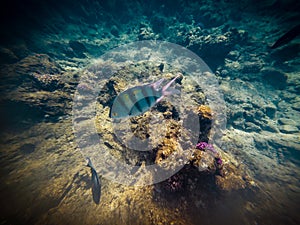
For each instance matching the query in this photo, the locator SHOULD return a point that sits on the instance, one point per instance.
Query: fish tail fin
(89, 162)
(171, 91)
(156, 84)
(165, 88)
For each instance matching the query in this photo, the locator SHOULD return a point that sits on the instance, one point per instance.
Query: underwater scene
(144, 112)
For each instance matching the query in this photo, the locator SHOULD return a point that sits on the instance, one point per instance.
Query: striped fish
(96, 183)
(137, 100)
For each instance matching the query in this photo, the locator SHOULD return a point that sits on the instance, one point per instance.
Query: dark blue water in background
(261, 89)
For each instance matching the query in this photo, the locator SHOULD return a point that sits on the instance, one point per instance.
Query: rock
(224, 73)
(27, 148)
(54, 103)
(295, 99)
(114, 31)
(176, 183)
(296, 106)
(161, 67)
(7, 56)
(20, 50)
(283, 105)
(252, 127)
(286, 121)
(288, 129)
(233, 177)
(146, 33)
(78, 48)
(234, 183)
(233, 55)
(287, 96)
(213, 45)
(239, 124)
(237, 113)
(270, 111)
(259, 114)
(233, 65)
(269, 126)
(106, 95)
(18, 76)
(39, 63)
(47, 82)
(260, 142)
(252, 67)
(275, 78)
(249, 115)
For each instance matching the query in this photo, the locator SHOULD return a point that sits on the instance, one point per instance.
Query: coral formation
(205, 112)
(175, 183)
(47, 82)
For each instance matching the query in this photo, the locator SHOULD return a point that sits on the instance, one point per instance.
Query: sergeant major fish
(96, 184)
(137, 100)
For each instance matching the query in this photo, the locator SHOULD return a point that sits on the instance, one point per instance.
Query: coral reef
(250, 178)
(169, 142)
(205, 112)
(47, 82)
(175, 183)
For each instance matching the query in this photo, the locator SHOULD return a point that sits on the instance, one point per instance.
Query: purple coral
(219, 161)
(201, 145)
(205, 146)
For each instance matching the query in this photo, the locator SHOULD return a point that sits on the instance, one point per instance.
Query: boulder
(275, 78)
(288, 129)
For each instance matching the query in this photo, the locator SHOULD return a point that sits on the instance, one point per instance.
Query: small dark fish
(287, 37)
(96, 184)
(137, 100)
